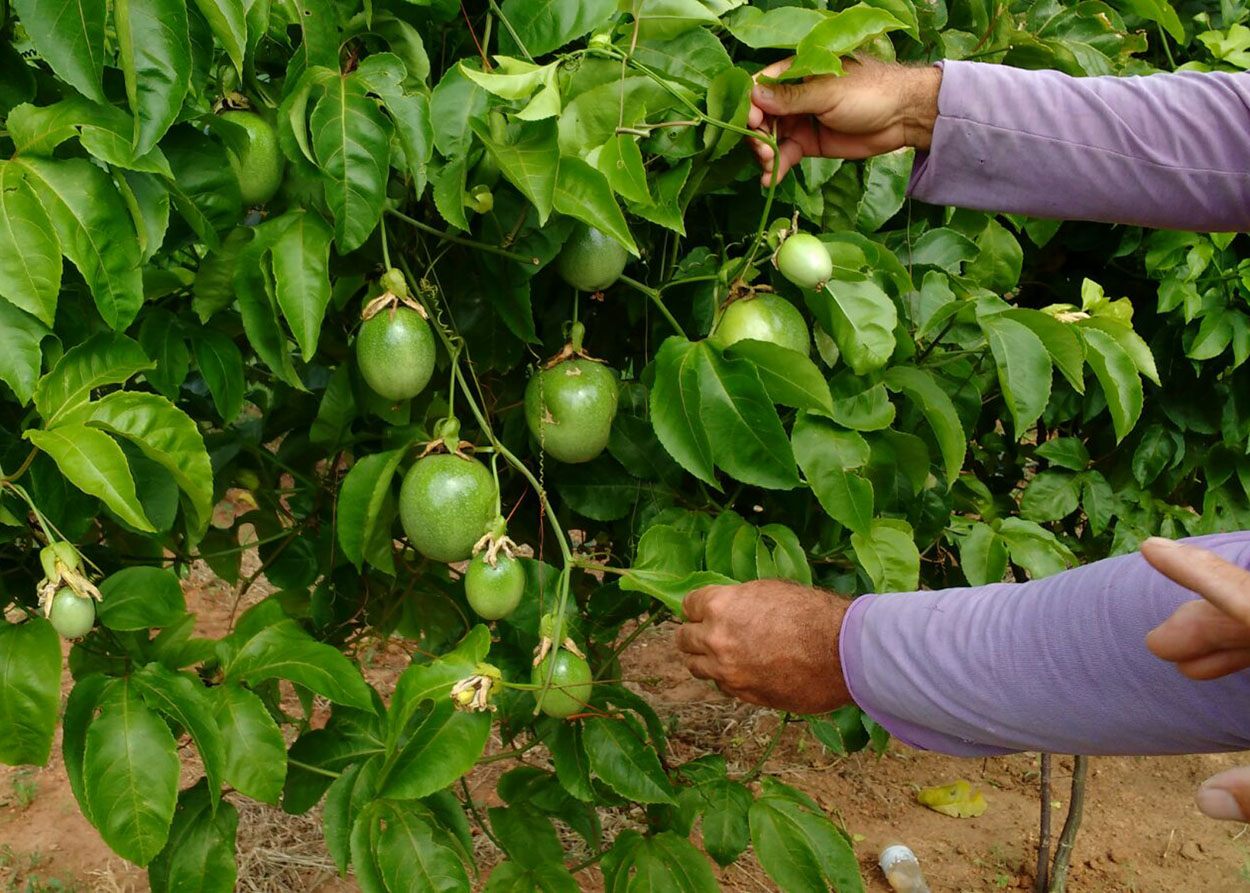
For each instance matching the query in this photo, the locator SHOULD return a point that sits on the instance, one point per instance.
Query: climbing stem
(461, 240)
(655, 299)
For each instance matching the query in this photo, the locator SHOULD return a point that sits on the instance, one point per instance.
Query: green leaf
(95, 464)
(1051, 495)
(30, 255)
(301, 256)
(545, 25)
(674, 403)
(662, 862)
(410, 857)
(254, 748)
(885, 188)
(154, 47)
(221, 364)
(619, 756)
(1024, 369)
(361, 497)
(1098, 501)
(983, 555)
(860, 317)
(528, 158)
(1117, 373)
(726, 830)
(620, 161)
(527, 835)
(1130, 341)
(95, 231)
(284, 651)
(1065, 452)
(130, 775)
(256, 293)
(509, 877)
(454, 105)
(70, 36)
(600, 489)
(1160, 11)
(182, 698)
(213, 289)
(351, 139)
(105, 131)
(728, 100)
(782, 27)
(199, 855)
(821, 49)
(21, 357)
(938, 409)
(790, 378)
(138, 598)
(801, 849)
(30, 691)
(1035, 548)
(584, 193)
(692, 58)
(743, 429)
(1061, 340)
(345, 800)
(568, 755)
(228, 21)
(162, 339)
(336, 412)
(942, 247)
(997, 265)
(888, 555)
(829, 458)
(101, 360)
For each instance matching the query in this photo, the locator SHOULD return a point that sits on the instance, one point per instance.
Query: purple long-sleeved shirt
(1060, 664)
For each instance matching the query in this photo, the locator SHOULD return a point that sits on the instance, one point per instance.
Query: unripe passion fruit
(764, 318)
(570, 686)
(72, 615)
(591, 260)
(803, 260)
(445, 505)
(395, 351)
(569, 409)
(494, 592)
(259, 167)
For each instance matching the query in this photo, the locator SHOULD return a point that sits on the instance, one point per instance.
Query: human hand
(1206, 638)
(767, 642)
(875, 107)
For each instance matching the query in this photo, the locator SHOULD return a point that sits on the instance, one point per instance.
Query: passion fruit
(395, 352)
(591, 260)
(570, 686)
(72, 615)
(569, 409)
(494, 591)
(445, 505)
(804, 260)
(258, 168)
(764, 317)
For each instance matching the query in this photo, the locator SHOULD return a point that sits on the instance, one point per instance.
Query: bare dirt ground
(1141, 831)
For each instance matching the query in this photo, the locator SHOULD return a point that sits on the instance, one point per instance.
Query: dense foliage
(235, 183)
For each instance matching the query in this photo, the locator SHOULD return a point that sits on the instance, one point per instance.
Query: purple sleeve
(1058, 665)
(1170, 151)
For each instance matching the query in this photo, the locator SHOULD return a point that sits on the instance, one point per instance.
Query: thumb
(808, 98)
(1226, 796)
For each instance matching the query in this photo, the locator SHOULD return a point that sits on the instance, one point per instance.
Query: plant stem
(1167, 49)
(655, 299)
(460, 240)
(468, 801)
(755, 770)
(1067, 837)
(628, 640)
(21, 469)
(494, 7)
(1043, 842)
(316, 770)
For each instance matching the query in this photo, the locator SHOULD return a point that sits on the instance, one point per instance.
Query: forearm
(1170, 151)
(1058, 665)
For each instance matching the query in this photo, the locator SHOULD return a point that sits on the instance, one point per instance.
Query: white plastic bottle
(902, 869)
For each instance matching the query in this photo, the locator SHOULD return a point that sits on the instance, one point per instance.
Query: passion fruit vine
(445, 504)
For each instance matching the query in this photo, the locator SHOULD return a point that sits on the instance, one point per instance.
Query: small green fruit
(395, 352)
(259, 167)
(570, 686)
(494, 592)
(445, 505)
(591, 260)
(72, 615)
(764, 318)
(569, 409)
(804, 260)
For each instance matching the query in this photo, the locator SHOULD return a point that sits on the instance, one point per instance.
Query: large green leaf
(284, 651)
(351, 140)
(861, 318)
(182, 698)
(301, 256)
(30, 255)
(983, 555)
(726, 831)
(829, 458)
(95, 231)
(454, 105)
(800, 849)
(509, 877)
(528, 158)
(1117, 373)
(438, 745)
(80, 710)
(1024, 369)
(255, 752)
(938, 409)
(1061, 340)
(94, 463)
(21, 357)
(997, 265)
(361, 498)
(889, 556)
(154, 47)
(168, 437)
(30, 691)
(130, 775)
(620, 757)
(70, 37)
(728, 100)
(106, 131)
(582, 192)
(228, 21)
(675, 408)
(104, 359)
(821, 49)
(782, 27)
(667, 862)
(221, 364)
(411, 857)
(1051, 495)
(790, 378)
(199, 856)
(138, 598)
(546, 25)
(256, 293)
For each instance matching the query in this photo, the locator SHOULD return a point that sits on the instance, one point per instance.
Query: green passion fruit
(72, 615)
(569, 409)
(259, 167)
(570, 686)
(804, 260)
(494, 592)
(764, 318)
(445, 505)
(395, 351)
(591, 260)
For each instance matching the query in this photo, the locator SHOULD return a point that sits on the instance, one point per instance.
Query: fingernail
(1218, 803)
(1160, 542)
(763, 92)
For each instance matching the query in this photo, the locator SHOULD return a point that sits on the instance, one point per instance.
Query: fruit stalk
(655, 299)
(460, 240)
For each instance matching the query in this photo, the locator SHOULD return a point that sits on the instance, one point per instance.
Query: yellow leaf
(956, 799)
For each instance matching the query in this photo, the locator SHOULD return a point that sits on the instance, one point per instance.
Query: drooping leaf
(675, 411)
(889, 556)
(284, 651)
(799, 848)
(30, 254)
(182, 698)
(302, 278)
(70, 35)
(861, 318)
(939, 411)
(138, 598)
(361, 498)
(1117, 373)
(1024, 369)
(154, 46)
(200, 853)
(619, 756)
(20, 354)
(255, 751)
(95, 464)
(830, 458)
(545, 25)
(30, 691)
(584, 193)
(351, 139)
(220, 362)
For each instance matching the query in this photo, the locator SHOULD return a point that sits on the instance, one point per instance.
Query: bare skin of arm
(874, 108)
